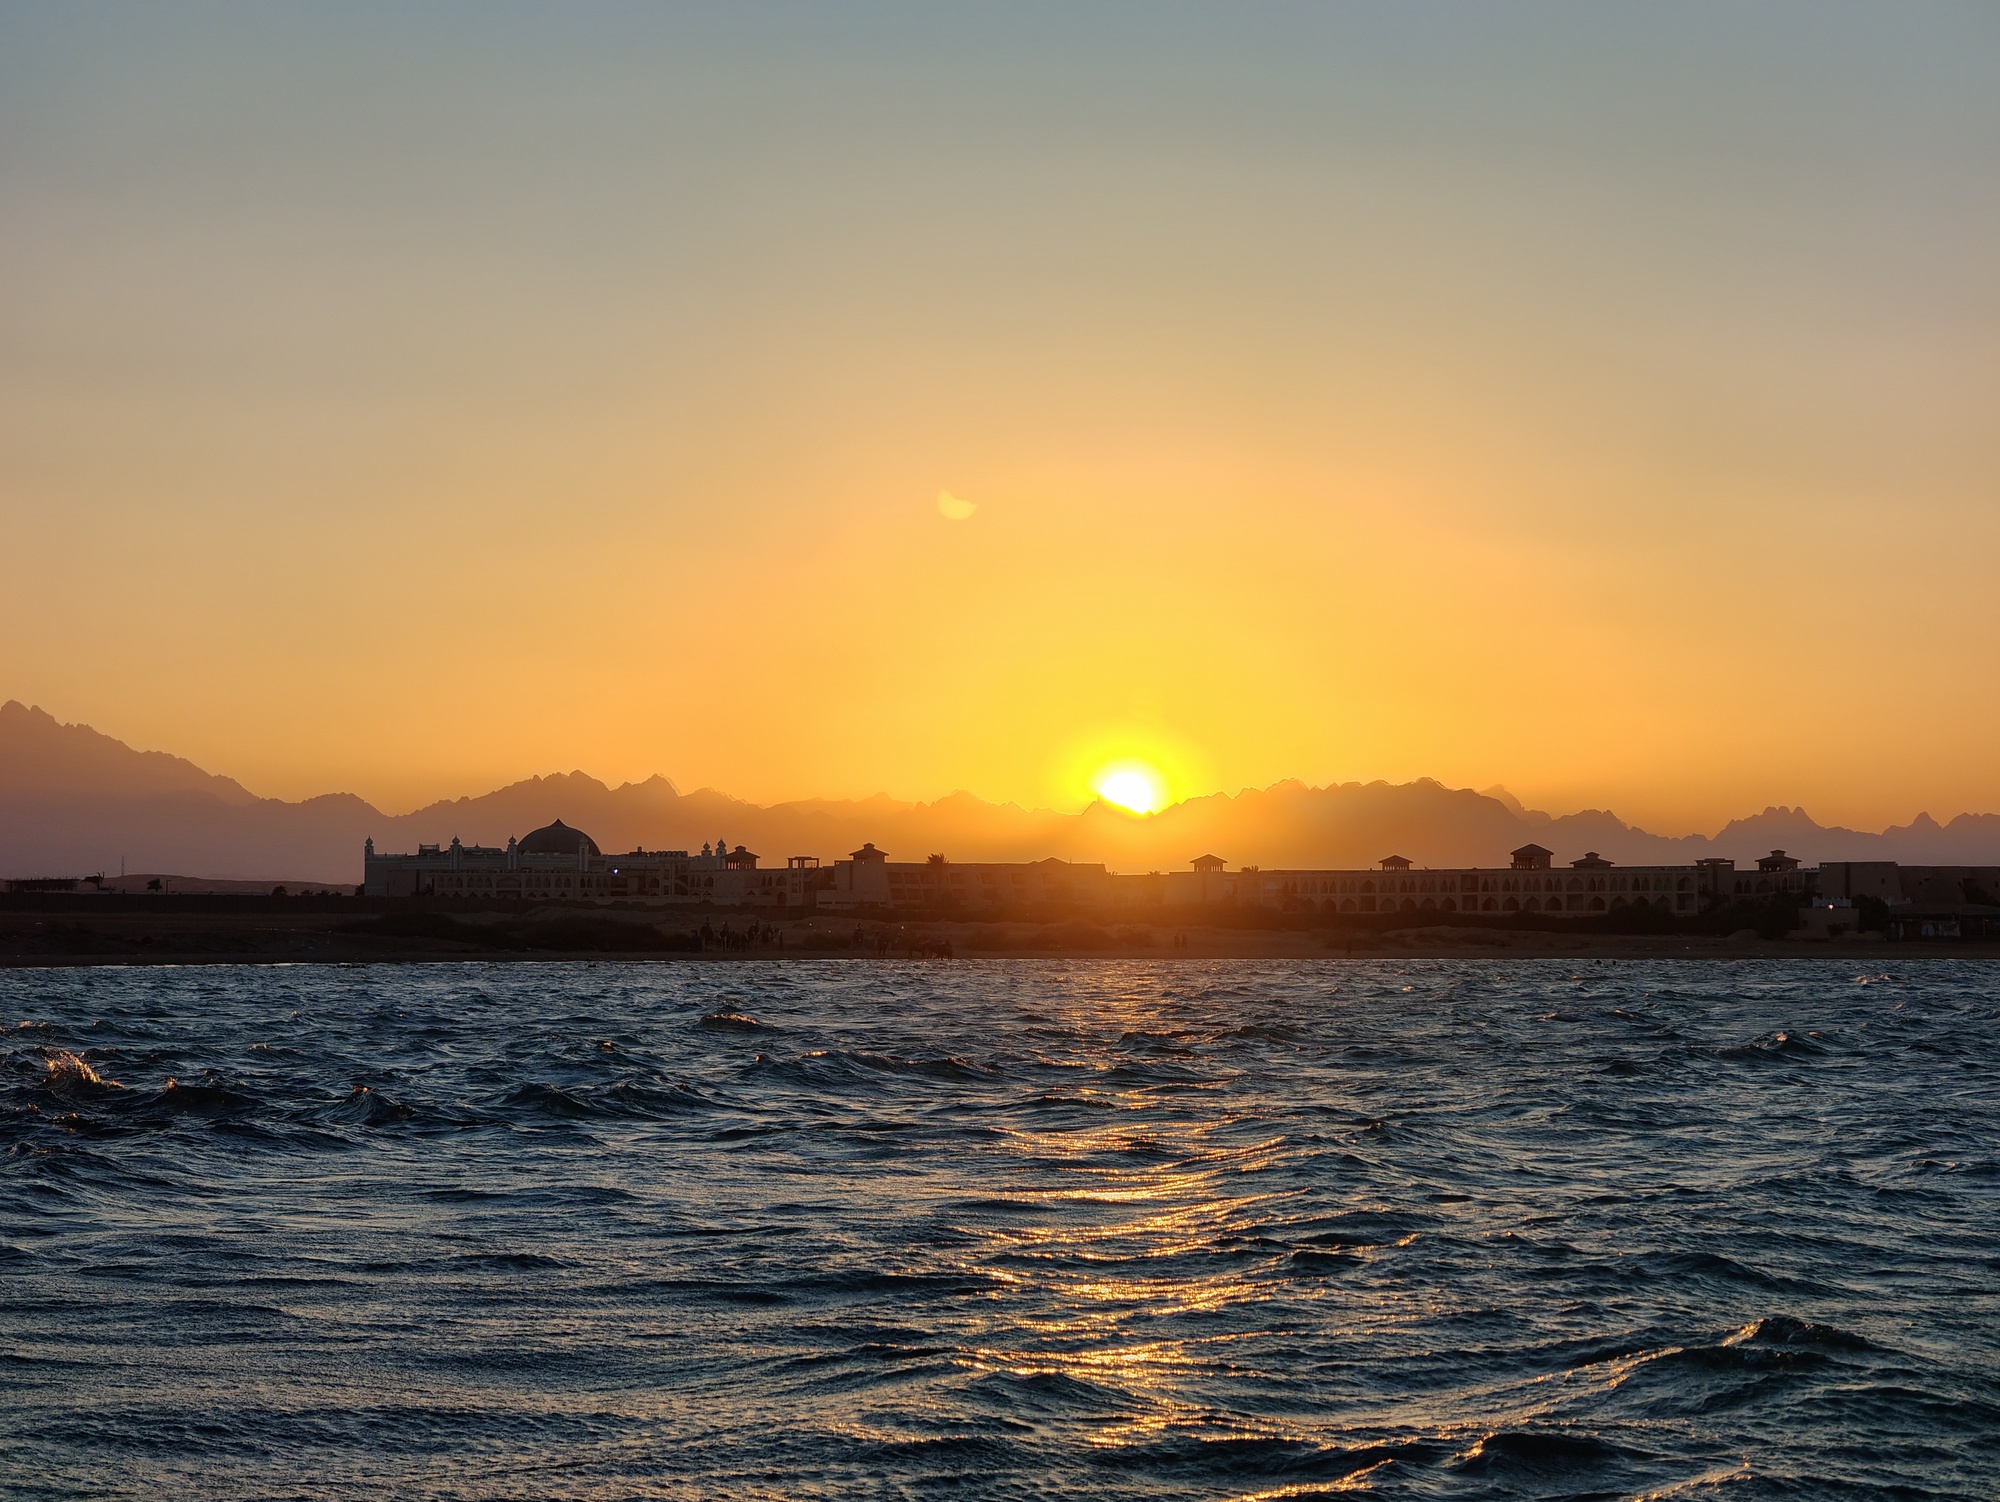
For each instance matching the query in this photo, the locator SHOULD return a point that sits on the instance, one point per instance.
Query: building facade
(869, 879)
(1531, 884)
(561, 864)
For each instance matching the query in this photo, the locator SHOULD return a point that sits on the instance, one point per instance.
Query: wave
(507, 1262)
(205, 1098)
(631, 1098)
(1262, 1032)
(1782, 1044)
(535, 1099)
(1789, 1331)
(1714, 1267)
(1542, 1452)
(826, 1065)
(1053, 1393)
(1303, 1461)
(69, 1074)
(368, 1107)
(1175, 1043)
(1309, 1260)
(1767, 1346)
(979, 1452)
(1361, 1228)
(652, 1099)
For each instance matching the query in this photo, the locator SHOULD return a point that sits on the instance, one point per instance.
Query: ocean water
(1002, 1230)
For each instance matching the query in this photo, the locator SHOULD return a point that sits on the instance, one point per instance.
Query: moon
(952, 509)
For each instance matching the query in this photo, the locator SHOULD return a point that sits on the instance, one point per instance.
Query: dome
(558, 839)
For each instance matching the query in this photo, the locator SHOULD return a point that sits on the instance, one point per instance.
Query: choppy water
(1002, 1230)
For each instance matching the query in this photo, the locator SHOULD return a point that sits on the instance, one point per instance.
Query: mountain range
(74, 801)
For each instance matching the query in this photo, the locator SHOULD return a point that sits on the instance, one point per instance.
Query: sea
(988, 1229)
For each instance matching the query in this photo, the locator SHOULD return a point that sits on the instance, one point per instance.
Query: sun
(1132, 786)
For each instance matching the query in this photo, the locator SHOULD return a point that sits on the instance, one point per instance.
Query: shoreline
(324, 947)
(330, 932)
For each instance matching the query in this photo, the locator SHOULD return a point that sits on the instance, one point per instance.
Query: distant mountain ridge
(73, 801)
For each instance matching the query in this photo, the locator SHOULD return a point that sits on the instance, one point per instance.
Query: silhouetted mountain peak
(38, 752)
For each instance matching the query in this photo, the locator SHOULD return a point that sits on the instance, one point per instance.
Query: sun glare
(1136, 789)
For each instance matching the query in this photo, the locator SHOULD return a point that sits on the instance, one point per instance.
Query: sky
(1598, 400)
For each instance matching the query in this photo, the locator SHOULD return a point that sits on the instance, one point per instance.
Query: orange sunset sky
(1601, 401)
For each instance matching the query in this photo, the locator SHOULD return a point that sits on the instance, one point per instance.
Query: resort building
(868, 878)
(561, 864)
(1531, 884)
(1887, 882)
(1776, 873)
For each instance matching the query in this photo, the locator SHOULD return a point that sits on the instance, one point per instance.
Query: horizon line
(1506, 799)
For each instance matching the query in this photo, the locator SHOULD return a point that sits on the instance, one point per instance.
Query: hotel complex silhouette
(561, 864)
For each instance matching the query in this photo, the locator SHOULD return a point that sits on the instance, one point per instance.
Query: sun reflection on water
(1146, 1219)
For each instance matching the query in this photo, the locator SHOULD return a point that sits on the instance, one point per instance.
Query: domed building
(560, 863)
(557, 839)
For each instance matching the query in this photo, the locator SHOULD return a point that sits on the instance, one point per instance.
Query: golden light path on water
(1109, 1279)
